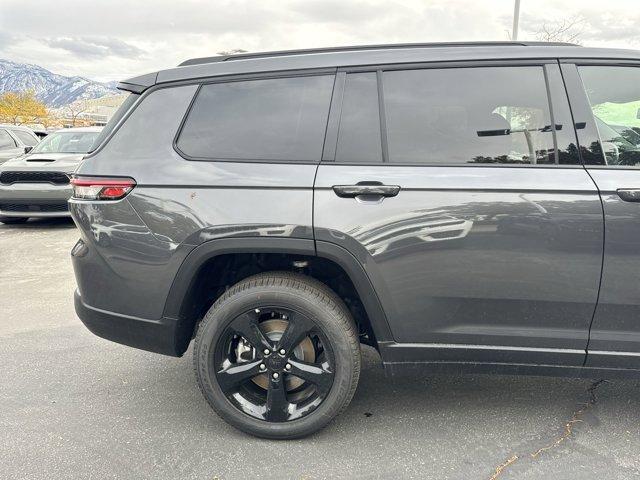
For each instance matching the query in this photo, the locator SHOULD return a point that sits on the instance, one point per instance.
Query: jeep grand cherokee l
(454, 206)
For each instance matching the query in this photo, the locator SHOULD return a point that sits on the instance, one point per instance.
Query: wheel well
(219, 273)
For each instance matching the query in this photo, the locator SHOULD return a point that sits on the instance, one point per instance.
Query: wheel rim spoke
(298, 328)
(277, 405)
(231, 377)
(279, 378)
(247, 326)
(317, 374)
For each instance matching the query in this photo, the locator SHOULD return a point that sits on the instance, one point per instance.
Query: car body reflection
(420, 225)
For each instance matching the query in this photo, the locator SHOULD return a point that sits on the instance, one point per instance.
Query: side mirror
(27, 149)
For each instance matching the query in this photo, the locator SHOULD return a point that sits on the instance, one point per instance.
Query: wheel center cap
(276, 362)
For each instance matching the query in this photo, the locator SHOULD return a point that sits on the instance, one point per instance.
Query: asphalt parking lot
(75, 406)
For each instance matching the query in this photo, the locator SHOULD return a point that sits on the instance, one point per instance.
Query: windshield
(66, 142)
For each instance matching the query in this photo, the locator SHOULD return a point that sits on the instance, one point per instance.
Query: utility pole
(516, 20)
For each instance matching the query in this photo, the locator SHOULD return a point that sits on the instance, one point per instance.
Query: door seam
(604, 243)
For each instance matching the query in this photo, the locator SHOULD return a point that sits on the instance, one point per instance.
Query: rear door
(613, 96)
(460, 191)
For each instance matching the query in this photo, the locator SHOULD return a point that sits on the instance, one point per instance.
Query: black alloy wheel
(278, 355)
(273, 364)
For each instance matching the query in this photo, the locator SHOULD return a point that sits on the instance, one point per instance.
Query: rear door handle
(374, 189)
(629, 194)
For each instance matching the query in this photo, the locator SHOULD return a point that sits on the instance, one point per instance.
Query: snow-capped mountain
(53, 89)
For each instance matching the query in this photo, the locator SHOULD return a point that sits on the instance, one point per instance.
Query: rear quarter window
(26, 138)
(6, 141)
(271, 119)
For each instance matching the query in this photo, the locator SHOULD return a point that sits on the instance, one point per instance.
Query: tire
(308, 299)
(13, 220)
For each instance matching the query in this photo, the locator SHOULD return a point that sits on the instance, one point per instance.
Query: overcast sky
(116, 39)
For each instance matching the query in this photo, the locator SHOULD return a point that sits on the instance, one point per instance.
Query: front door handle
(629, 194)
(373, 189)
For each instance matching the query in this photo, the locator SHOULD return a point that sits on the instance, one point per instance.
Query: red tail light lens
(101, 188)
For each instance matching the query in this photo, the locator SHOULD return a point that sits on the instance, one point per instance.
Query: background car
(37, 184)
(15, 141)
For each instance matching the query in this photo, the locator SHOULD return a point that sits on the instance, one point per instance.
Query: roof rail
(282, 53)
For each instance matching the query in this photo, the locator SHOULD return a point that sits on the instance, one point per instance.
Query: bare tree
(73, 110)
(567, 30)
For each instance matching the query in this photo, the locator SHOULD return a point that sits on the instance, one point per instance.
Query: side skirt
(400, 369)
(425, 359)
(392, 352)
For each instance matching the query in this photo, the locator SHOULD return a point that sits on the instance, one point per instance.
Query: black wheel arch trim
(361, 281)
(187, 274)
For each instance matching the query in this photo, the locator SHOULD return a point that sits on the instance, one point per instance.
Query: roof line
(282, 53)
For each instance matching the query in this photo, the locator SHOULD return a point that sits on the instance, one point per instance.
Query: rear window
(271, 119)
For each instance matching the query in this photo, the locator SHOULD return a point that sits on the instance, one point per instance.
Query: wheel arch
(184, 304)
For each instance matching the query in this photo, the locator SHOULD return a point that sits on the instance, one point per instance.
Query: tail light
(101, 188)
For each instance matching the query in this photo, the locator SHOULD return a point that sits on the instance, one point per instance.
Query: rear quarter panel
(177, 204)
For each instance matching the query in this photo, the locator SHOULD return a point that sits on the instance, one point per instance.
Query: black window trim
(380, 69)
(250, 77)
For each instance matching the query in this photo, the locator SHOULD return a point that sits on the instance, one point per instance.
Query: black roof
(364, 55)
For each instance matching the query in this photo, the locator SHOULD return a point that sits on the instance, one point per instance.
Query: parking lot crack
(559, 440)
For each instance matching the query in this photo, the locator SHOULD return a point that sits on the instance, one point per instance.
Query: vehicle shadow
(33, 224)
(452, 403)
(429, 426)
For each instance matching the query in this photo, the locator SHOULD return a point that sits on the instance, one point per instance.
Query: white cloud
(114, 39)
(95, 47)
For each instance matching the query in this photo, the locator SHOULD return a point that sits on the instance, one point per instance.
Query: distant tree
(21, 108)
(73, 110)
(567, 30)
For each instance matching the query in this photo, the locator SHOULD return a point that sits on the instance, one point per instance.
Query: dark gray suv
(459, 207)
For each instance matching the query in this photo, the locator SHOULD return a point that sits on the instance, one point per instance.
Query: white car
(37, 184)
(15, 140)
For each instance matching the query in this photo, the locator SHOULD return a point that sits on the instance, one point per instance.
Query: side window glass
(271, 119)
(469, 115)
(6, 142)
(614, 96)
(359, 135)
(26, 138)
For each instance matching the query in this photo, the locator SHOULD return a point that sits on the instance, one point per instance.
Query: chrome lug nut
(266, 351)
(275, 375)
(257, 310)
(263, 366)
(282, 351)
(287, 366)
